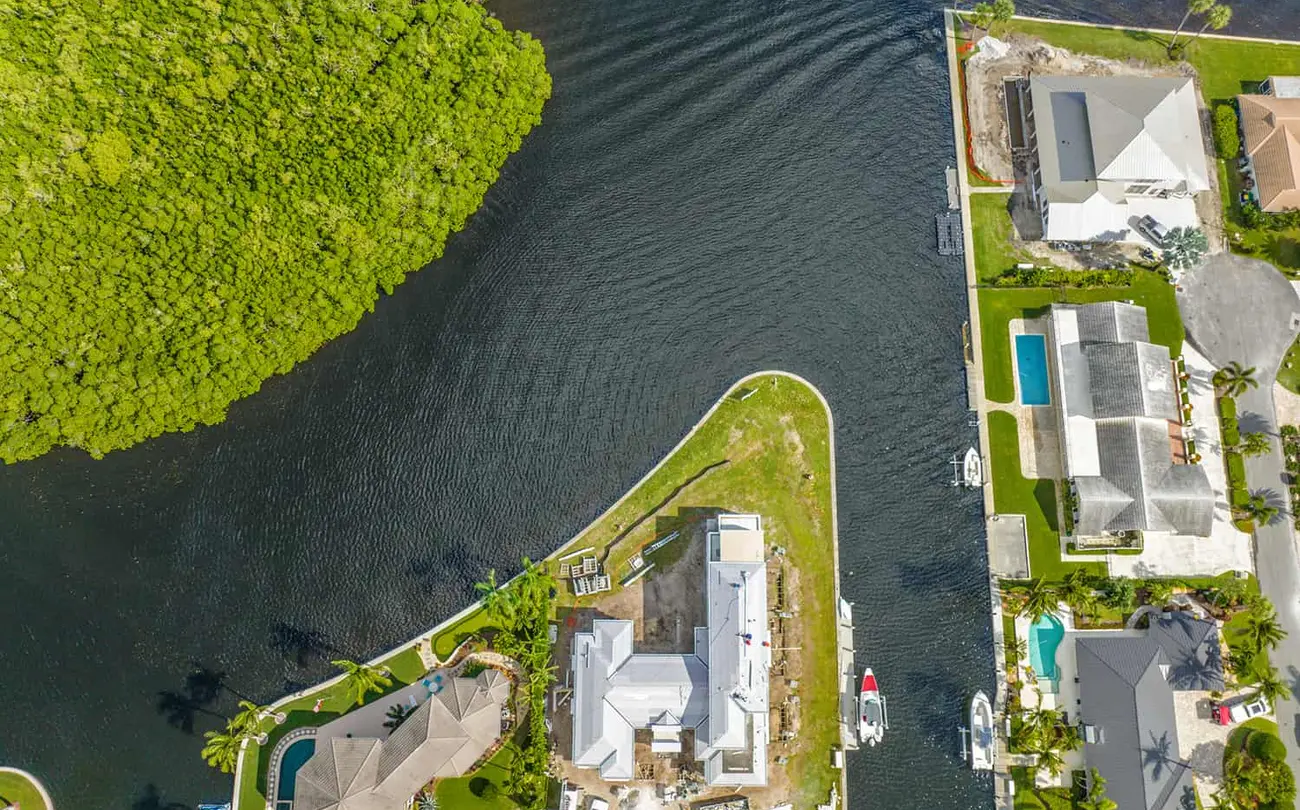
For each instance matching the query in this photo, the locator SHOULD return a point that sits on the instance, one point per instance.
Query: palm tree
(1217, 18)
(1097, 798)
(362, 679)
(397, 714)
(1040, 600)
(1263, 630)
(1184, 247)
(1016, 649)
(222, 749)
(1255, 444)
(1193, 7)
(987, 15)
(1259, 510)
(1050, 759)
(1229, 593)
(426, 800)
(1076, 591)
(250, 716)
(1271, 687)
(1235, 380)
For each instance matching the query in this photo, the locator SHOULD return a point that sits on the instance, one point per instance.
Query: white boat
(982, 743)
(873, 717)
(973, 469)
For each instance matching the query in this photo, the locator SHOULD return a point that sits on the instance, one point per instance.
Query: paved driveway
(1245, 310)
(1239, 309)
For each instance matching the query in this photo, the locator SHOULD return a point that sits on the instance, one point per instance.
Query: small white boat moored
(973, 469)
(982, 742)
(873, 717)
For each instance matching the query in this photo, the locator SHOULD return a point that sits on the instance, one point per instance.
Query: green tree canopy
(199, 194)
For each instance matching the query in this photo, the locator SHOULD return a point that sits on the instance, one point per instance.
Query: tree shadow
(1045, 497)
(1145, 36)
(1251, 422)
(151, 799)
(300, 645)
(181, 710)
(1273, 499)
(205, 684)
(1285, 251)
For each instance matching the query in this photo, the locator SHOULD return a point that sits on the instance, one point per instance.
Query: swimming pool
(1031, 367)
(295, 756)
(1044, 637)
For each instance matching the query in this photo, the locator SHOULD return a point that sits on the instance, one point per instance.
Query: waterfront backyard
(765, 449)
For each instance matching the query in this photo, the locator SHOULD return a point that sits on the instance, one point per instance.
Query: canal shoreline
(427, 637)
(978, 402)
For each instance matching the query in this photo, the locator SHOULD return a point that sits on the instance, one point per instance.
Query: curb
(36, 783)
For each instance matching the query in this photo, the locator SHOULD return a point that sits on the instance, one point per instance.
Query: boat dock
(948, 226)
(848, 679)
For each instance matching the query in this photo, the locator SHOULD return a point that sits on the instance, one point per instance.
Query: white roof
(721, 690)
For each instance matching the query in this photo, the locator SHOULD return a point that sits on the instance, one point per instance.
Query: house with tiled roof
(1270, 128)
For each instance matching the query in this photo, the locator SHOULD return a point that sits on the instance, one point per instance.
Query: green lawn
(446, 642)
(458, 793)
(1226, 67)
(1029, 798)
(767, 455)
(998, 307)
(1290, 377)
(1233, 632)
(1013, 494)
(19, 790)
(992, 234)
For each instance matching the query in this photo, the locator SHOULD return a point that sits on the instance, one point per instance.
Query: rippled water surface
(717, 188)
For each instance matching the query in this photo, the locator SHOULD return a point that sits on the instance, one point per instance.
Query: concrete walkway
(1243, 310)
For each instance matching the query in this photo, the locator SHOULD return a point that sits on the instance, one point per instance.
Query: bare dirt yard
(1019, 56)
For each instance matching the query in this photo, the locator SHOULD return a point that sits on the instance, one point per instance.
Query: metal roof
(1192, 647)
(721, 690)
(1098, 134)
(1126, 697)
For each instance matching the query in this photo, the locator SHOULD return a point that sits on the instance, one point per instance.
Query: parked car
(1240, 710)
(1152, 229)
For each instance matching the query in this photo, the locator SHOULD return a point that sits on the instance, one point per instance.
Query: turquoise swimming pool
(1044, 637)
(295, 756)
(1031, 370)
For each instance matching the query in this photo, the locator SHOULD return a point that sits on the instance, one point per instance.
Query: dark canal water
(717, 188)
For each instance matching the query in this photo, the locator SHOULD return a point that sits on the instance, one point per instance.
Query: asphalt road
(1244, 310)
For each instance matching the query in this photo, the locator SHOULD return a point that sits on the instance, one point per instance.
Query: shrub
(1263, 745)
(1236, 469)
(1228, 408)
(1052, 277)
(483, 788)
(1240, 496)
(1231, 434)
(1226, 140)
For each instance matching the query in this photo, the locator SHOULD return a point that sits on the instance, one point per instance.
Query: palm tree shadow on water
(151, 799)
(300, 645)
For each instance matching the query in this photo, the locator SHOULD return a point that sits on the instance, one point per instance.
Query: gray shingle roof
(1131, 379)
(1112, 322)
(1128, 701)
(1192, 647)
(1130, 385)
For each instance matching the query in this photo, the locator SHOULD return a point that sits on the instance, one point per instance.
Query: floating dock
(848, 679)
(948, 227)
